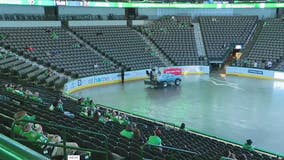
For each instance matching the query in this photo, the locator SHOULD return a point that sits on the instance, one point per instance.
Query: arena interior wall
(155, 13)
(97, 23)
(30, 24)
(14, 9)
(255, 73)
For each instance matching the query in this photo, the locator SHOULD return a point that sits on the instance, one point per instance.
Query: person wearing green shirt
(54, 35)
(154, 140)
(2, 37)
(248, 146)
(127, 132)
(51, 108)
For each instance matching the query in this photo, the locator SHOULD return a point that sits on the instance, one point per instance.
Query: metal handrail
(169, 148)
(64, 128)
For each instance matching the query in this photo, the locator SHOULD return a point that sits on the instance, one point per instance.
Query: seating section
(175, 37)
(207, 148)
(219, 32)
(10, 63)
(268, 47)
(121, 44)
(22, 17)
(54, 47)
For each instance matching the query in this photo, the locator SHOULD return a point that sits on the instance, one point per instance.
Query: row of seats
(22, 17)
(55, 48)
(10, 63)
(219, 32)
(174, 36)
(207, 148)
(269, 46)
(121, 44)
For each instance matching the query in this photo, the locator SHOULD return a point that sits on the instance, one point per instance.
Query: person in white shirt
(269, 64)
(255, 64)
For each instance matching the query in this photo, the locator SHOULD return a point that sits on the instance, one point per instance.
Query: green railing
(168, 148)
(12, 150)
(63, 131)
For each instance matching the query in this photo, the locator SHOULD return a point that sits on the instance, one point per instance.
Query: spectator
(97, 116)
(51, 107)
(127, 132)
(80, 100)
(60, 105)
(269, 64)
(2, 37)
(36, 94)
(34, 133)
(48, 30)
(255, 64)
(28, 93)
(137, 134)
(30, 49)
(155, 140)
(96, 65)
(182, 127)
(49, 72)
(248, 145)
(158, 131)
(54, 36)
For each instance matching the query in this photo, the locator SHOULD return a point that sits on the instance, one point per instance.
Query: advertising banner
(91, 81)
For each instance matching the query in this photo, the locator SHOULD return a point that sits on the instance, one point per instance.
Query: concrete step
(199, 40)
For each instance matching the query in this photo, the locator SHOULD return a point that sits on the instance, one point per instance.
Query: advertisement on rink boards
(131, 75)
(185, 70)
(103, 79)
(250, 72)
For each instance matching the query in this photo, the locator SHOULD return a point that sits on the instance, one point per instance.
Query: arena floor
(236, 108)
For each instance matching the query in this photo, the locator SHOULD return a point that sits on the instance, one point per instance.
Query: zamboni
(163, 81)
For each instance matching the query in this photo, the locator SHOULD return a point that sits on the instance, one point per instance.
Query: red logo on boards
(175, 71)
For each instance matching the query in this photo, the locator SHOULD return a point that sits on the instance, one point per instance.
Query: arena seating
(121, 44)
(54, 47)
(22, 17)
(219, 32)
(175, 37)
(208, 148)
(10, 63)
(268, 47)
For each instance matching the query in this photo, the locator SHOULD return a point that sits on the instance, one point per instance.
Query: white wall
(93, 11)
(261, 13)
(30, 23)
(9, 9)
(140, 22)
(154, 13)
(97, 23)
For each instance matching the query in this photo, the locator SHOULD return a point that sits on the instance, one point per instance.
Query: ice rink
(236, 108)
